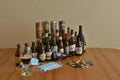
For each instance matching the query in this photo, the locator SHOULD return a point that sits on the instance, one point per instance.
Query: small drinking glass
(26, 63)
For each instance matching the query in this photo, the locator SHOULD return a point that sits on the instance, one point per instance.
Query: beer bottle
(33, 50)
(82, 39)
(17, 55)
(75, 36)
(27, 49)
(66, 45)
(54, 48)
(60, 48)
(79, 47)
(57, 35)
(48, 51)
(68, 33)
(42, 55)
(84, 42)
(72, 44)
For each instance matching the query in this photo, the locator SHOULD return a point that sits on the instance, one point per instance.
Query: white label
(34, 55)
(67, 49)
(48, 55)
(59, 54)
(42, 57)
(61, 50)
(78, 50)
(72, 47)
(54, 48)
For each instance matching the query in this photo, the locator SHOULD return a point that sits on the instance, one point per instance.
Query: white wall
(100, 20)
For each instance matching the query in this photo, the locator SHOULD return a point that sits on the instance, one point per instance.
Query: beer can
(53, 28)
(39, 30)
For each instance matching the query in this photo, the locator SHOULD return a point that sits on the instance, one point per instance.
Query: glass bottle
(82, 39)
(17, 55)
(68, 33)
(72, 44)
(60, 48)
(48, 51)
(54, 48)
(33, 50)
(66, 45)
(42, 54)
(79, 48)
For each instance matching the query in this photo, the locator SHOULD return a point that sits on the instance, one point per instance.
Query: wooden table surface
(106, 67)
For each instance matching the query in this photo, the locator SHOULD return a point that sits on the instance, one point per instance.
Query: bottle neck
(80, 30)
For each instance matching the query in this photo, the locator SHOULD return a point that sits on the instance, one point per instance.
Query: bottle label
(42, 57)
(34, 55)
(79, 50)
(61, 50)
(48, 55)
(67, 50)
(72, 47)
(54, 48)
(17, 59)
(59, 56)
(84, 47)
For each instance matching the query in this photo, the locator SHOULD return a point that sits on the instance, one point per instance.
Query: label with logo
(59, 55)
(84, 47)
(54, 48)
(48, 55)
(72, 47)
(61, 50)
(42, 57)
(17, 60)
(34, 55)
(67, 50)
(79, 50)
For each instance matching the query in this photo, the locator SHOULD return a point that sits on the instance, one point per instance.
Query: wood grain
(106, 67)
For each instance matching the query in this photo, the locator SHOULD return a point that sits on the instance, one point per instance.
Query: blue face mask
(34, 61)
(49, 66)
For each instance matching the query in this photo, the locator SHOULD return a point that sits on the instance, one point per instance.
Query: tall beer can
(53, 28)
(39, 30)
(61, 27)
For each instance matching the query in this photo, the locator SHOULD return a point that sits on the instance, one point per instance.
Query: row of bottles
(54, 45)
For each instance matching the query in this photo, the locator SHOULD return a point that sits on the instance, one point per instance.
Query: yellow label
(84, 47)
(42, 57)
(48, 55)
(17, 59)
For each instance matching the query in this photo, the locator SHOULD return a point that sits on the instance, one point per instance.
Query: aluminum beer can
(53, 28)
(39, 30)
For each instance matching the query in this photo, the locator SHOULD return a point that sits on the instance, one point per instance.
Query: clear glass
(26, 63)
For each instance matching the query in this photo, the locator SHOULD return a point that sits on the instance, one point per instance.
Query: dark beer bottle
(17, 55)
(75, 36)
(82, 39)
(33, 50)
(42, 55)
(60, 48)
(27, 49)
(48, 51)
(72, 43)
(68, 33)
(79, 48)
(66, 45)
(54, 48)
